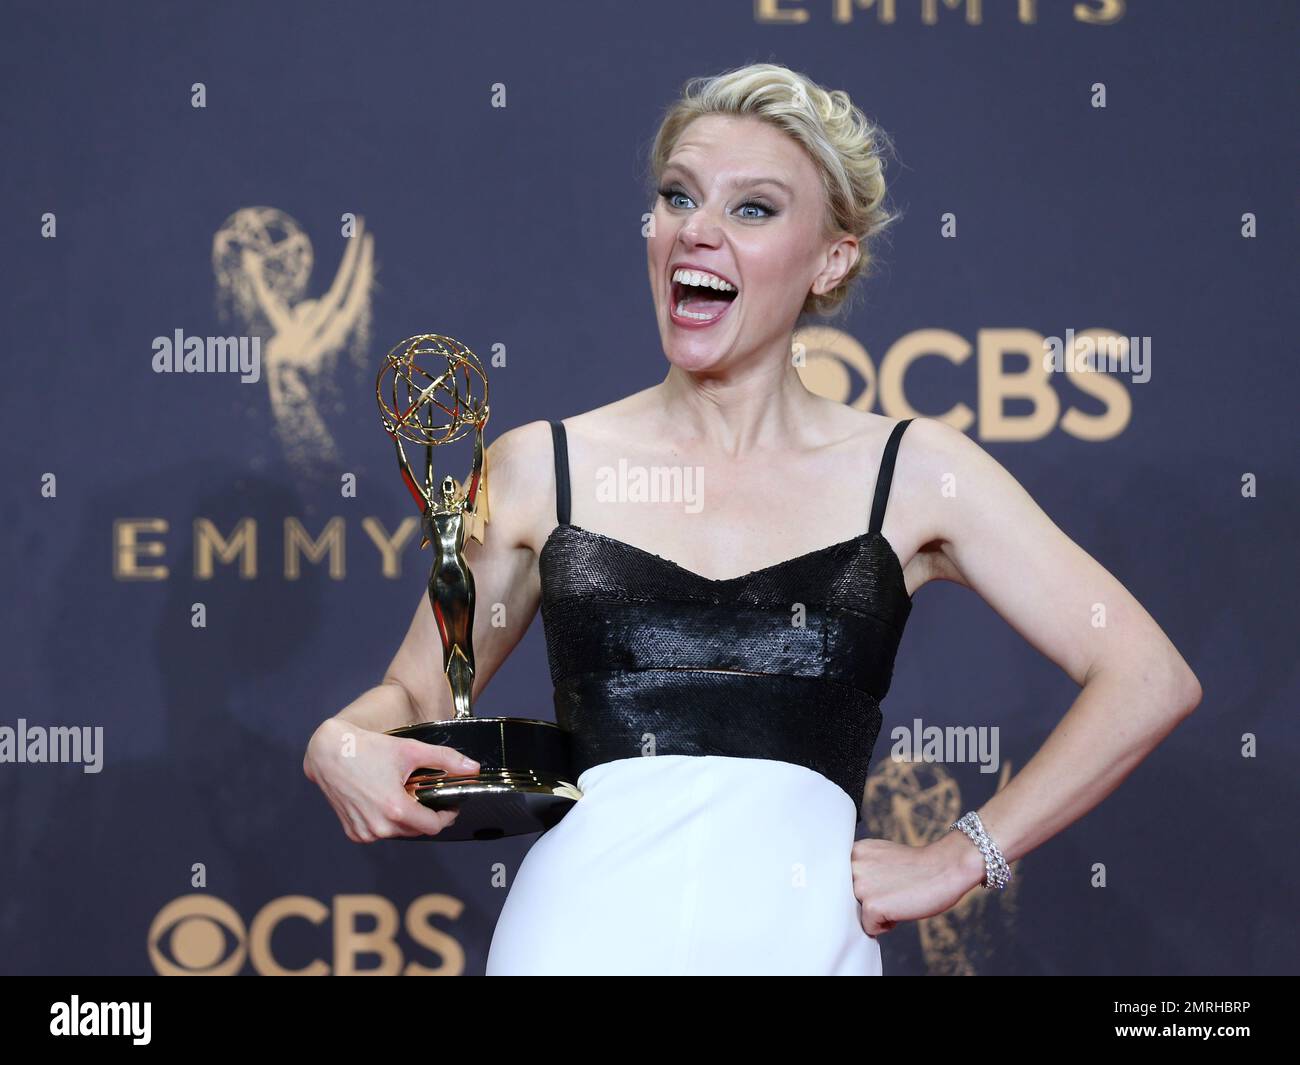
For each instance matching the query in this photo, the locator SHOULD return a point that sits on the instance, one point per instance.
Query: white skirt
(690, 865)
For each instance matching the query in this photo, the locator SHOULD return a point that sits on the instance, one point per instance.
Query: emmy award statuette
(425, 390)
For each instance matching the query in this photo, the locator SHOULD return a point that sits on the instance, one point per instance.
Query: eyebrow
(748, 180)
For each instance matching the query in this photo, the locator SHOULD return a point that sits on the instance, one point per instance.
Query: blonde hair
(846, 146)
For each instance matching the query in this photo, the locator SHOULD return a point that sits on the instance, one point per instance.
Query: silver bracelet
(997, 874)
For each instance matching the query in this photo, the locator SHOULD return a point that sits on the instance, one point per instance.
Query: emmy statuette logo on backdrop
(426, 393)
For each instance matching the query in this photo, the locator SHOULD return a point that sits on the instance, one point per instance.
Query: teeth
(700, 278)
(682, 312)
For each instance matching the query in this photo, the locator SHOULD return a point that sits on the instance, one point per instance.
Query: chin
(695, 360)
(692, 351)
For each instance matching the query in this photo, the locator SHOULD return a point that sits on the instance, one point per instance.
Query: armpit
(935, 565)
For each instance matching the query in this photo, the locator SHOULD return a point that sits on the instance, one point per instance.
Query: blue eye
(672, 192)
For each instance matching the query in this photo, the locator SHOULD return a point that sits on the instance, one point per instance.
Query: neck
(761, 405)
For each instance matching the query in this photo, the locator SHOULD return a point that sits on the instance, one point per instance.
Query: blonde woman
(721, 666)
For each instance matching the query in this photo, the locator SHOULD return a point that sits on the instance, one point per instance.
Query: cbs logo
(201, 935)
(1009, 371)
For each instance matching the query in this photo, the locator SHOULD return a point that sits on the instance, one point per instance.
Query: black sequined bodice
(789, 662)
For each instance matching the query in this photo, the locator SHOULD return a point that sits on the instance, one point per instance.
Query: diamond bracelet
(997, 874)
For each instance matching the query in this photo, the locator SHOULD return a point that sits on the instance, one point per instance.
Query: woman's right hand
(363, 774)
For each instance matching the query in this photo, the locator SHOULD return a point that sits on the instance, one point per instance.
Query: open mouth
(697, 302)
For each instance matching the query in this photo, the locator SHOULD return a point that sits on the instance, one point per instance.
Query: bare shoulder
(930, 448)
(924, 441)
(938, 463)
(626, 418)
(521, 484)
(521, 466)
(957, 497)
(933, 463)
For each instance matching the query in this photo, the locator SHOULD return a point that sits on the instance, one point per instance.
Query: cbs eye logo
(828, 360)
(197, 933)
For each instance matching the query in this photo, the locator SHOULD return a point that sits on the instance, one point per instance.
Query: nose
(701, 227)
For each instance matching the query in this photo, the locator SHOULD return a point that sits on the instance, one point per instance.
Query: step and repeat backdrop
(202, 563)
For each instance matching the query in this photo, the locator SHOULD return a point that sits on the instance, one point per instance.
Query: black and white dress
(722, 752)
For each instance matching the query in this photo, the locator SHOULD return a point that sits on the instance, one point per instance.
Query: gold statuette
(432, 390)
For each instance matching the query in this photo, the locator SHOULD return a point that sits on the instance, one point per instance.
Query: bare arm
(989, 535)
(507, 592)
(1136, 687)
(362, 771)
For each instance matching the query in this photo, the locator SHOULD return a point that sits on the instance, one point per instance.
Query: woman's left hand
(895, 882)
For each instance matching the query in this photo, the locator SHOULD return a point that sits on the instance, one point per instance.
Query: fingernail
(468, 763)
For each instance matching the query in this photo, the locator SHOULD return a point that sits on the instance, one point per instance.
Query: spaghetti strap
(886, 476)
(561, 444)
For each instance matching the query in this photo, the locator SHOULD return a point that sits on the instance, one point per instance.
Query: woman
(744, 646)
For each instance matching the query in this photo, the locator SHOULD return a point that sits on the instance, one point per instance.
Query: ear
(840, 257)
